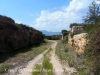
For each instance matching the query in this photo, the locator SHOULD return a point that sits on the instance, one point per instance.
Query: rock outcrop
(78, 41)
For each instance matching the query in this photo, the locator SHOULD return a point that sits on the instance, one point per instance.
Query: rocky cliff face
(78, 41)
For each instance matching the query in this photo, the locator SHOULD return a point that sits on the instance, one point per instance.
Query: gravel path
(58, 69)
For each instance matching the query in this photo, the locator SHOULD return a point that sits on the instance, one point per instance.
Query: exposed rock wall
(78, 41)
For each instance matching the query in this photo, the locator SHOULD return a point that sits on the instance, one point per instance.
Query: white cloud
(17, 21)
(61, 19)
(98, 2)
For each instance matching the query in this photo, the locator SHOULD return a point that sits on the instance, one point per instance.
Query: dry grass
(68, 55)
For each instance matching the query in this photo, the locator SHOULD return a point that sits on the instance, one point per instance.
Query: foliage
(46, 67)
(7, 20)
(77, 24)
(4, 68)
(92, 53)
(90, 62)
(46, 64)
(16, 36)
(23, 55)
(37, 70)
(66, 53)
(91, 28)
(65, 40)
(64, 31)
(73, 24)
(93, 15)
(53, 37)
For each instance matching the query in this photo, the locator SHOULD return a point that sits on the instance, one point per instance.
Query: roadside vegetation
(46, 68)
(4, 68)
(91, 56)
(68, 56)
(92, 51)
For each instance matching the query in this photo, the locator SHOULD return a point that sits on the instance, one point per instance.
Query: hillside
(15, 36)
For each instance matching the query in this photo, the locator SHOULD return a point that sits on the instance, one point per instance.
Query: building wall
(77, 29)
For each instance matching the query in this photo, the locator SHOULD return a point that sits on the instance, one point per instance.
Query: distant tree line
(14, 36)
(53, 37)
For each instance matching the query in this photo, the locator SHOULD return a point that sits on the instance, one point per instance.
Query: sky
(50, 15)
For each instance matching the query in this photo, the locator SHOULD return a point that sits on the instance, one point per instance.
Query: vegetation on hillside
(92, 53)
(15, 36)
(93, 14)
(69, 57)
(89, 62)
(92, 50)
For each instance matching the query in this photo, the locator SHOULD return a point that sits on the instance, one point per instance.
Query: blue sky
(50, 15)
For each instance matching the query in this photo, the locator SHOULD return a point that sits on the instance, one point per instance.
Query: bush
(4, 67)
(37, 70)
(46, 64)
(65, 40)
(16, 36)
(92, 52)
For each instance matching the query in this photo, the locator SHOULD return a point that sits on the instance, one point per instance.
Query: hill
(15, 36)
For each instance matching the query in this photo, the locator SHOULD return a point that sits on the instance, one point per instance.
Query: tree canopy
(93, 14)
(64, 31)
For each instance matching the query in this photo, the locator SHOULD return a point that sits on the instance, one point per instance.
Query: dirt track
(27, 70)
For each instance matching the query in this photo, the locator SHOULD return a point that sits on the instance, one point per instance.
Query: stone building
(78, 40)
(77, 29)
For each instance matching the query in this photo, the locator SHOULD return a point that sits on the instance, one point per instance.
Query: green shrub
(4, 67)
(37, 70)
(47, 64)
(65, 40)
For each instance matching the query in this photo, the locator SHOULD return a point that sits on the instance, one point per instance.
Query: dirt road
(58, 69)
(27, 70)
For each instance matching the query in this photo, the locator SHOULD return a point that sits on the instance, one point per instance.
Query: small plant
(46, 64)
(65, 40)
(37, 70)
(66, 50)
(4, 68)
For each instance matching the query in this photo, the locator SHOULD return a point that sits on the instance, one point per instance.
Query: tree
(73, 24)
(64, 31)
(93, 13)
